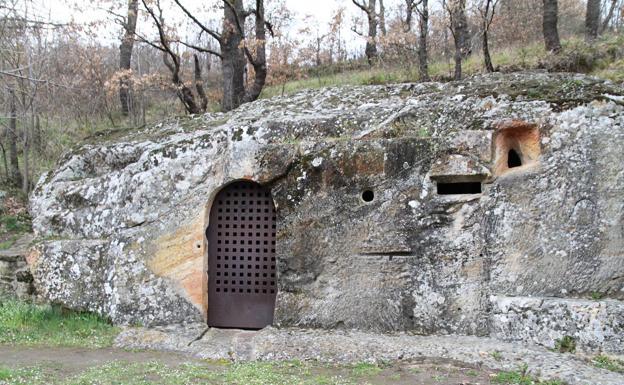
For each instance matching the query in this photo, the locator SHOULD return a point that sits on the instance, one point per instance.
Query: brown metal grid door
(242, 283)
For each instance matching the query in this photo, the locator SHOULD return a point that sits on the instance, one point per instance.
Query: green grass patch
(23, 323)
(144, 373)
(157, 373)
(162, 371)
(5, 374)
(605, 58)
(15, 224)
(566, 344)
(9, 241)
(365, 369)
(22, 376)
(596, 295)
(612, 364)
(521, 378)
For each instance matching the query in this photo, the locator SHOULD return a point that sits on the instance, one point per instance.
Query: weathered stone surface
(353, 347)
(126, 219)
(594, 325)
(16, 280)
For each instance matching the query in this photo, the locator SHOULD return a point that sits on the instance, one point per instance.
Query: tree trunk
(458, 63)
(489, 67)
(26, 154)
(454, 9)
(15, 177)
(409, 10)
(461, 28)
(423, 66)
(371, 43)
(4, 159)
(125, 55)
(607, 20)
(199, 84)
(382, 18)
(551, 33)
(318, 50)
(233, 62)
(592, 20)
(259, 62)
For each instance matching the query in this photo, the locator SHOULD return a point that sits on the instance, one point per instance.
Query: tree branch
(161, 33)
(209, 31)
(354, 29)
(361, 6)
(198, 48)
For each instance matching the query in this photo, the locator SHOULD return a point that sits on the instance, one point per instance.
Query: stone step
(594, 325)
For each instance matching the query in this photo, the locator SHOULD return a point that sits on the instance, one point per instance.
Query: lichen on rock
(126, 219)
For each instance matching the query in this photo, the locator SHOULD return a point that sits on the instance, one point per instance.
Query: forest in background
(61, 83)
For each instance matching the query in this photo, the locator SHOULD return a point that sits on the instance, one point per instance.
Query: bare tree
(487, 9)
(15, 176)
(592, 19)
(172, 61)
(549, 26)
(125, 54)
(410, 5)
(235, 51)
(423, 66)
(422, 8)
(382, 18)
(371, 37)
(259, 61)
(461, 27)
(457, 20)
(607, 20)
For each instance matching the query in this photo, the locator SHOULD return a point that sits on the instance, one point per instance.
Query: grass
(21, 376)
(364, 369)
(15, 223)
(28, 324)
(520, 58)
(596, 295)
(612, 364)
(520, 378)
(496, 355)
(604, 59)
(566, 344)
(9, 241)
(156, 373)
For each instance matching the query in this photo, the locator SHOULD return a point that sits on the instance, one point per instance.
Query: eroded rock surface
(122, 223)
(353, 347)
(16, 280)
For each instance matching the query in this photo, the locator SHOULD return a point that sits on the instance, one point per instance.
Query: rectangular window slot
(459, 188)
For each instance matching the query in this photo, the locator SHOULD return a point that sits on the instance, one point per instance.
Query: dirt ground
(69, 365)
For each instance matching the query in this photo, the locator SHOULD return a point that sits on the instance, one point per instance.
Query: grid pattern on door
(243, 242)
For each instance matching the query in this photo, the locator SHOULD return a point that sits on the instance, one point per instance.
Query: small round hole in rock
(513, 159)
(368, 196)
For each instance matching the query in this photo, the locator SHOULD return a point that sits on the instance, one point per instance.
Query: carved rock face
(125, 220)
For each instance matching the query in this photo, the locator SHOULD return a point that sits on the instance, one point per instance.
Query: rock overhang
(410, 259)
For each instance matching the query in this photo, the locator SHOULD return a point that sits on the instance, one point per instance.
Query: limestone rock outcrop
(496, 187)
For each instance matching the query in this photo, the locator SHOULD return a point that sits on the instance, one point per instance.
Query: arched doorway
(242, 283)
